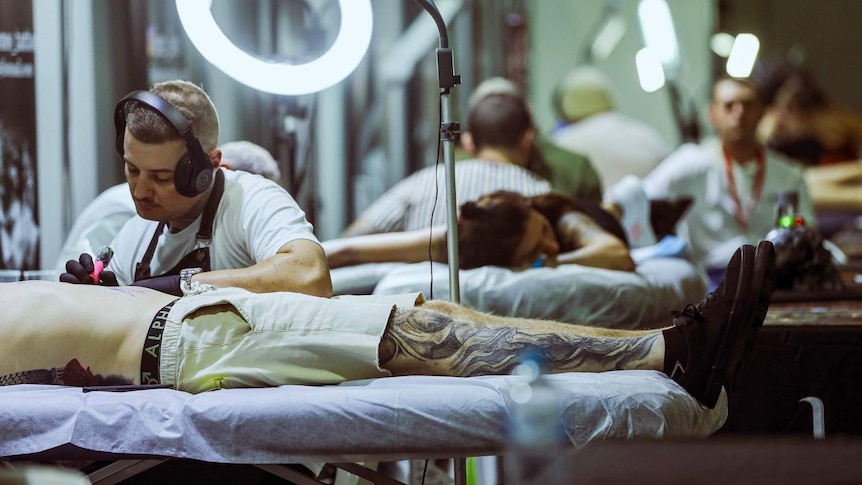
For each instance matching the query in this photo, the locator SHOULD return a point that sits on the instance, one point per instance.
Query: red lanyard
(739, 212)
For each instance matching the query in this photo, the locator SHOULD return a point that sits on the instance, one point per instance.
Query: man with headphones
(196, 222)
(99, 222)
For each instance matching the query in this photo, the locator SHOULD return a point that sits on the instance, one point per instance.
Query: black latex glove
(78, 272)
(165, 284)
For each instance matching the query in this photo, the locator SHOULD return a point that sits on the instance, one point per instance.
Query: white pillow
(569, 293)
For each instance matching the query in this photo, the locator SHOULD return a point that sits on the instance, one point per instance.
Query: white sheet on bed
(360, 279)
(379, 419)
(570, 293)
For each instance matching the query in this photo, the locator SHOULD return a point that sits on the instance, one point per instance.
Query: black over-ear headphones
(192, 176)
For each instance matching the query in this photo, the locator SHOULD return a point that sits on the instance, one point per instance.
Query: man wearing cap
(616, 144)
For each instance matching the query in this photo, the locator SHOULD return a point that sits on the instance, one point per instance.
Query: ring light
(354, 36)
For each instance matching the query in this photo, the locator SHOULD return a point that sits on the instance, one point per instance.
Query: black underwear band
(153, 347)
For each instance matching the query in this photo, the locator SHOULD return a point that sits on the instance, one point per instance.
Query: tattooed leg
(439, 338)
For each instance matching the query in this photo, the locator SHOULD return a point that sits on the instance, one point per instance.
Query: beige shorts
(230, 337)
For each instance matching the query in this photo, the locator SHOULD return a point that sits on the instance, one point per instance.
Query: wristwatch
(186, 278)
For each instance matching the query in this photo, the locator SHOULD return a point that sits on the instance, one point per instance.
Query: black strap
(38, 376)
(206, 230)
(142, 269)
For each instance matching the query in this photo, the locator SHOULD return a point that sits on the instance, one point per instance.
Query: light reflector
(658, 32)
(354, 36)
(740, 63)
(721, 43)
(650, 72)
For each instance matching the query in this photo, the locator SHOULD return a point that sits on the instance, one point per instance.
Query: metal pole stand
(450, 132)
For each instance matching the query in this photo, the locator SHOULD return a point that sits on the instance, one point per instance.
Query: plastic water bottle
(536, 436)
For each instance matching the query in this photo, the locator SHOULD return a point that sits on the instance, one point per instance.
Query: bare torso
(46, 324)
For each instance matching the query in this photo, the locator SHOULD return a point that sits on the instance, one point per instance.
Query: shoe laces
(689, 313)
(685, 321)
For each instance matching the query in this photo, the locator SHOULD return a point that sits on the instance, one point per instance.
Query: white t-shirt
(710, 226)
(616, 144)
(255, 218)
(408, 205)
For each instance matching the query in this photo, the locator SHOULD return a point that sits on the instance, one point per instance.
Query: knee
(456, 311)
(422, 320)
(441, 306)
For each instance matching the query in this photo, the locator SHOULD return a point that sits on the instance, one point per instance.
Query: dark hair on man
(490, 229)
(499, 120)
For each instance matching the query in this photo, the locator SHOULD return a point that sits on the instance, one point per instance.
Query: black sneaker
(718, 331)
(763, 283)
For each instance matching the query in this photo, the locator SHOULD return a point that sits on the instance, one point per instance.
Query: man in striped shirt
(501, 134)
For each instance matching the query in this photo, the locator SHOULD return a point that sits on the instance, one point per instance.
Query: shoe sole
(765, 278)
(738, 332)
(763, 283)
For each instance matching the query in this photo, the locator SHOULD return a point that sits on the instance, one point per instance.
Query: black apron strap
(206, 230)
(142, 269)
(200, 256)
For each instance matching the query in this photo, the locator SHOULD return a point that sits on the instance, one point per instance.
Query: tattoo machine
(102, 259)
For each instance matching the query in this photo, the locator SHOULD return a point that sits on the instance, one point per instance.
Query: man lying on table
(221, 338)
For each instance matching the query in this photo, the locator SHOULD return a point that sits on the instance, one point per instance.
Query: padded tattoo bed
(570, 293)
(384, 419)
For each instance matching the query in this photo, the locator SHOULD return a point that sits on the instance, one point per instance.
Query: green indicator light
(786, 221)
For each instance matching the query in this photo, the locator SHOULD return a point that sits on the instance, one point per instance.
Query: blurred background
(64, 64)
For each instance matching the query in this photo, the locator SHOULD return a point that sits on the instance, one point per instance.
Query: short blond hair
(191, 101)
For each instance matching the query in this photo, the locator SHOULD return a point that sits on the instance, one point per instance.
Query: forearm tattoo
(460, 348)
(577, 229)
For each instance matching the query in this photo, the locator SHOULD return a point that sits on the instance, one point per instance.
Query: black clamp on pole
(446, 70)
(450, 131)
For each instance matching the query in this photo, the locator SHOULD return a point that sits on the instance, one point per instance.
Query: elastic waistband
(153, 347)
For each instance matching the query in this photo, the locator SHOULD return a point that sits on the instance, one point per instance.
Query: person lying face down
(508, 229)
(502, 229)
(229, 337)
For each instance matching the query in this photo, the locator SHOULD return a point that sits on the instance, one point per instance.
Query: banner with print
(19, 229)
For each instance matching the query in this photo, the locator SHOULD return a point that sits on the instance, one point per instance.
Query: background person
(801, 121)
(570, 173)
(250, 157)
(260, 238)
(732, 179)
(502, 134)
(502, 229)
(616, 144)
